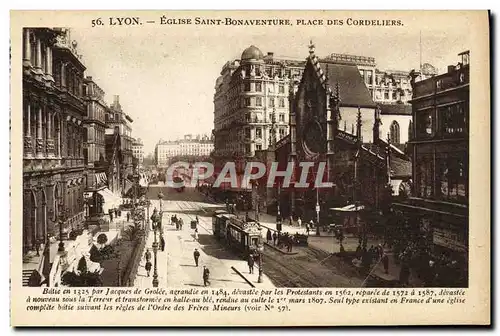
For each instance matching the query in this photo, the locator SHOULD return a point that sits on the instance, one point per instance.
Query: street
(307, 267)
(176, 266)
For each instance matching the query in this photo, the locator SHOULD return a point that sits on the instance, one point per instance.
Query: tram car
(219, 222)
(239, 235)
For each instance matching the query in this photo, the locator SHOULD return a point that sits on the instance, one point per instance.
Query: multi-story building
(437, 214)
(138, 151)
(53, 158)
(116, 118)
(189, 146)
(251, 102)
(95, 147)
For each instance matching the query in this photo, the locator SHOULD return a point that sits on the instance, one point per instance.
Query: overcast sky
(165, 78)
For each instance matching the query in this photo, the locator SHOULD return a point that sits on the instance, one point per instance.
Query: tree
(82, 277)
(102, 239)
(132, 232)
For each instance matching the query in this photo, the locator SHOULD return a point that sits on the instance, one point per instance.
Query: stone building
(359, 163)
(138, 150)
(437, 213)
(189, 147)
(117, 119)
(250, 96)
(53, 114)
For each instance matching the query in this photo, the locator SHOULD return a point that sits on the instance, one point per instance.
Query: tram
(239, 235)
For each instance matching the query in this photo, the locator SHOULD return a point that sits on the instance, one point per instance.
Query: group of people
(177, 221)
(280, 240)
(147, 255)
(114, 213)
(373, 255)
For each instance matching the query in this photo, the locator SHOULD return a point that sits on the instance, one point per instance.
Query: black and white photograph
(384, 132)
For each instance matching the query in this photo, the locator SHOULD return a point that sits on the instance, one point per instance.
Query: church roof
(395, 109)
(352, 89)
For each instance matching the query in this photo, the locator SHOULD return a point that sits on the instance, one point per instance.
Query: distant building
(189, 146)
(138, 150)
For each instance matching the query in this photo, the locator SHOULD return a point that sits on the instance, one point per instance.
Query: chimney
(451, 68)
(270, 54)
(116, 100)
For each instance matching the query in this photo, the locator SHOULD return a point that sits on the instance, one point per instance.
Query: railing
(131, 270)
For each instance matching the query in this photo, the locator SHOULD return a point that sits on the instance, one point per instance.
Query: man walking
(147, 255)
(251, 262)
(275, 237)
(299, 222)
(196, 255)
(206, 276)
(269, 236)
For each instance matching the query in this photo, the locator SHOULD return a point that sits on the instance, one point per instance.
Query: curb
(279, 250)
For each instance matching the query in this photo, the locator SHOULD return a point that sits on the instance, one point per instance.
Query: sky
(165, 75)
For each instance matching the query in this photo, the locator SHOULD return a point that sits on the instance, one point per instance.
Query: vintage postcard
(261, 168)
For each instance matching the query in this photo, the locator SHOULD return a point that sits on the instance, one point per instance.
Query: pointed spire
(311, 48)
(358, 125)
(376, 124)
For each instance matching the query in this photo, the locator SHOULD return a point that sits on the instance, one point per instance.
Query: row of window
(446, 121)
(257, 101)
(258, 132)
(444, 178)
(257, 87)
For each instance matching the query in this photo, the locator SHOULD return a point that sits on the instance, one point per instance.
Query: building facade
(437, 214)
(197, 147)
(250, 103)
(138, 150)
(360, 164)
(117, 119)
(95, 151)
(53, 114)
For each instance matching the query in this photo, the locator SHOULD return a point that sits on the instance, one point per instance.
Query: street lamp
(155, 252)
(317, 212)
(160, 197)
(260, 248)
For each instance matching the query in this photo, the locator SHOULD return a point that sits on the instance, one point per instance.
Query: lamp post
(317, 212)
(260, 248)
(155, 252)
(160, 197)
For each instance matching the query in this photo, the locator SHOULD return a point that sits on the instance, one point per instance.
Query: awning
(349, 208)
(395, 184)
(111, 200)
(101, 179)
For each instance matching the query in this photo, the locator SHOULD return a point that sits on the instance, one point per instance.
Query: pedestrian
(196, 255)
(197, 220)
(385, 262)
(162, 243)
(148, 267)
(128, 216)
(275, 237)
(147, 255)
(299, 222)
(251, 262)
(269, 236)
(196, 234)
(181, 222)
(119, 213)
(110, 216)
(206, 276)
(291, 220)
(116, 212)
